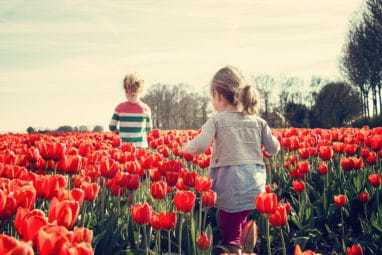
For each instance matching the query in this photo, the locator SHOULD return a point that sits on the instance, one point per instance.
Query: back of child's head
(230, 83)
(132, 84)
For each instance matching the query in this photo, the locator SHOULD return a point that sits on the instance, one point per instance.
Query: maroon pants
(231, 226)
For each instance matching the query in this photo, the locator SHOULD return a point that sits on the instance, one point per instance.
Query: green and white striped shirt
(133, 121)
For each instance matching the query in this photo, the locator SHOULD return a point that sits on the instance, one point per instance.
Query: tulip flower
(355, 249)
(163, 220)
(323, 168)
(184, 201)
(11, 246)
(158, 189)
(202, 183)
(266, 203)
(298, 186)
(65, 212)
(363, 197)
(375, 180)
(280, 217)
(203, 241)
(141, 213)
(325, 153)
(298, 251)
(340, 200)
(209, 198)
(28, 223)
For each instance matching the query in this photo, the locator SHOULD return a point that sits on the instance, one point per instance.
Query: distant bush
(371, 122)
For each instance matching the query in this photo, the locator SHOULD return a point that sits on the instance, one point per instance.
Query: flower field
(86, 193)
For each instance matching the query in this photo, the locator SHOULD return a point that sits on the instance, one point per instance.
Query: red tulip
(325, 152)
(82, 234)
(209, 198)
(279, 218)
(50, 239)
(28, 223)
(363, 197)
(298, 186)
(70, 248)
(372, 158)
(355, 249)
(155, 174)
(11, 246)
(91, 190)
(303, 166)
(364, 152)
(158, 189)
(266, 203)
(304, 153)
(3, 200)
(298, 251)
(268, 188)
(340, 200)
(65, 212)
(163, 220)
(203, 241)
(358, 163)
(108, 167)
(184, 200)
(338, 147)
(375, 180)
(75, 194)
(323, 168)
(189, 178)
(171, 177)
(130, 181)
(350, 149)
(141, 213)
(49, 186)
(203, 183)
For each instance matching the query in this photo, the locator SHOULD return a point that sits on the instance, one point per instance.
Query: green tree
(98, 128)
(297, 114)
(336, 104)
(30, 130)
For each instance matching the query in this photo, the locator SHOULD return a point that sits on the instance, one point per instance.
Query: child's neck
(229, 108)
(132, 99)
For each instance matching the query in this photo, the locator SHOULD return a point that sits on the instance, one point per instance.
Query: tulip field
(87, 193)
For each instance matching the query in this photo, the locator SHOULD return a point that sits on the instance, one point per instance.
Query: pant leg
(231, 225)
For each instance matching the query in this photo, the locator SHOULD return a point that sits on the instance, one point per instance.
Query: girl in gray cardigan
(237, 168)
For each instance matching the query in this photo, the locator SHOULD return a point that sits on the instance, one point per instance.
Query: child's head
(229, 83)
(132, 85)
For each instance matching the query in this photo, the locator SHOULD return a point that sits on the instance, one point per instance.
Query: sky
(62, 62)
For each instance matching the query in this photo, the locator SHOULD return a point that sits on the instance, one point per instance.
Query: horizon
(63, 62)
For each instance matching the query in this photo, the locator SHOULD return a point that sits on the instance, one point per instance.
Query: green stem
(283, 241)
(268, 237)
(158, 243)
(180, 234)
(205, 218)
(146, 239)
(200, 215)
(169, 241)
(343, 232)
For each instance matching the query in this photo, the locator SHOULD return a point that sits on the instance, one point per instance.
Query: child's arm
(271, 144)
(200, 143)
(114, 122)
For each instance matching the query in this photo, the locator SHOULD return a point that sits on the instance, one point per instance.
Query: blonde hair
(229, 83)
(132, 84)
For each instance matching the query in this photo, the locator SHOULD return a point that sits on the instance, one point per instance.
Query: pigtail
(249, 100)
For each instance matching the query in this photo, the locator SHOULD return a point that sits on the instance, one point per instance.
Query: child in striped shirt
(132, 118)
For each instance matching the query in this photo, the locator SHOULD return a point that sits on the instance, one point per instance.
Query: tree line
(284, 101)
(361, 61)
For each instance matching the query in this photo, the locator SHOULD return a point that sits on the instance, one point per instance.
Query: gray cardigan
(236, 139)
